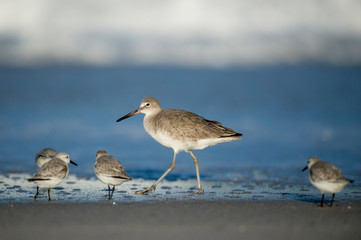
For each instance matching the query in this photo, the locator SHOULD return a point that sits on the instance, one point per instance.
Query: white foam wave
(188, 33)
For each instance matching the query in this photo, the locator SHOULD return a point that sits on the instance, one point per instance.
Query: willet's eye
(147, 104)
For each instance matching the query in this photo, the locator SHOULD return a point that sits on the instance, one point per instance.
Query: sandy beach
(180, 220)
(230, 210)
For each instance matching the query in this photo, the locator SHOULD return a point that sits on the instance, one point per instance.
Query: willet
(110, 171)
(52, 173)
(44, 155)
(326, 177)
(182, 131)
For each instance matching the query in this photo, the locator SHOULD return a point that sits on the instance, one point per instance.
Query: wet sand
(180, 219)
(227, 209)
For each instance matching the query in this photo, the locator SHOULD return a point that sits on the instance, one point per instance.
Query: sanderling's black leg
(110, 196)
(333, 196)
(49, 199)
(108, 192)
(323, 197)
(37, 193)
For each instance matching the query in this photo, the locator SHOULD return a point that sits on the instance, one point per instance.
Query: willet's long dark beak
(73, 163)
(305, 169)
(129, 115)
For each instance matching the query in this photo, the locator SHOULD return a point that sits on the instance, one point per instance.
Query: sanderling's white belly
(330, 186)
(110, 180)
(49, 183)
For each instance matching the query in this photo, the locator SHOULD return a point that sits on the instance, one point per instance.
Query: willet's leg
(152, 188)
(108, 192)
(323, 197)
(199, 189)
(49, 199)
(333, 196)
(37, 193)
(111, 195)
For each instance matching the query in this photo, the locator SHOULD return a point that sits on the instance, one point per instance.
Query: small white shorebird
(326, 177)
(109, 171)
(182, 131)
(44, 155)
(52, 173)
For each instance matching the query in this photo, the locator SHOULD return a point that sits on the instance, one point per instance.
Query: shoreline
(232, 210)
(15, 188)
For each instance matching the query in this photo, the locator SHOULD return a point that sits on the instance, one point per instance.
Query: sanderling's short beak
(304, 169)
(129, 115)
(73, 163)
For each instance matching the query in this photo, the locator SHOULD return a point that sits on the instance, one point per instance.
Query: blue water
(286, 113)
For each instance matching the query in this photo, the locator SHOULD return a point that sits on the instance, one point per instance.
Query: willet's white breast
(182, 131)
(109, 171)
(326, 177)
(52, 173)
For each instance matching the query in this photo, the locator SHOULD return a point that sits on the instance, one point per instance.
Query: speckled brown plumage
(188, 126)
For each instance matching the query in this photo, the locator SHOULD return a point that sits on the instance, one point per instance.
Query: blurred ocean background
(286, 74)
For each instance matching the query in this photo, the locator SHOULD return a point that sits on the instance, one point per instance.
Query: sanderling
(109, 171)
(326, 177)
(52, 173)
(44, 155)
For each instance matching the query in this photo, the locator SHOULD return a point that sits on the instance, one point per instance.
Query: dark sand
(180, 219)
